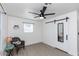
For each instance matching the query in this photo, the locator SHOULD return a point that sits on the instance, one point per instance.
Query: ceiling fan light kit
(41, 17)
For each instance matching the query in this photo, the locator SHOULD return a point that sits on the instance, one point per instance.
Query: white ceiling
(22, 9)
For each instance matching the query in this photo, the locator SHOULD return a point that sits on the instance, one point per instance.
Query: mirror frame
(60, 32)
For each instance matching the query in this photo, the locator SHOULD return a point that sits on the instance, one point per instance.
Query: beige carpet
(41, 49)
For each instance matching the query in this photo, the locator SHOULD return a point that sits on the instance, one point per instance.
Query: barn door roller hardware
(58, 20)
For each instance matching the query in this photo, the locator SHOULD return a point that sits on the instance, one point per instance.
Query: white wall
(0, 28)
(78, 31)
(3, 31)
(70, 28)
(0, 31)
(30, 38)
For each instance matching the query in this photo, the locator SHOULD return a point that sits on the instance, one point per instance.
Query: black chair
(18, 43)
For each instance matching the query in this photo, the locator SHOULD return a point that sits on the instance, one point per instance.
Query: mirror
(60, 32)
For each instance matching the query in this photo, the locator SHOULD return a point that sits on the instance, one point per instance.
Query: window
(28, 27)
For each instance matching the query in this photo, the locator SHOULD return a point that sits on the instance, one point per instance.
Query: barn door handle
(66, 37)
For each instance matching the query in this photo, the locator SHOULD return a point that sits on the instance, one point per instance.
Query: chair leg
(17, 50)
(9, 53)
(23, 47)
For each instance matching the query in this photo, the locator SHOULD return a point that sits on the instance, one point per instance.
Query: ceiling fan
(42, 12)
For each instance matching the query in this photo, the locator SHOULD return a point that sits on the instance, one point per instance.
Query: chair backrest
(14, 39)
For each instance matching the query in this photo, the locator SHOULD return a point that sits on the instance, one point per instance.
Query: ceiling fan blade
(34, 13)
(49, 14)
(44, 9)
(36, 16)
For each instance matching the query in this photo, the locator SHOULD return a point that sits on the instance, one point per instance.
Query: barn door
(62, 35)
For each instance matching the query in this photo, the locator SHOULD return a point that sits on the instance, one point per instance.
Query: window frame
(31, 29)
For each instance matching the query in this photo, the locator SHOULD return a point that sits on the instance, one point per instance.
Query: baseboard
(32, 43)
(56, 47)
(49, 44)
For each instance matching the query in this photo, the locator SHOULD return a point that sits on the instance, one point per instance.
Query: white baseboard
(49, 44)
(31, 43)
(55, 47)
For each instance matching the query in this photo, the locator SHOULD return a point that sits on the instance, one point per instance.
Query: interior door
(63, 44)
